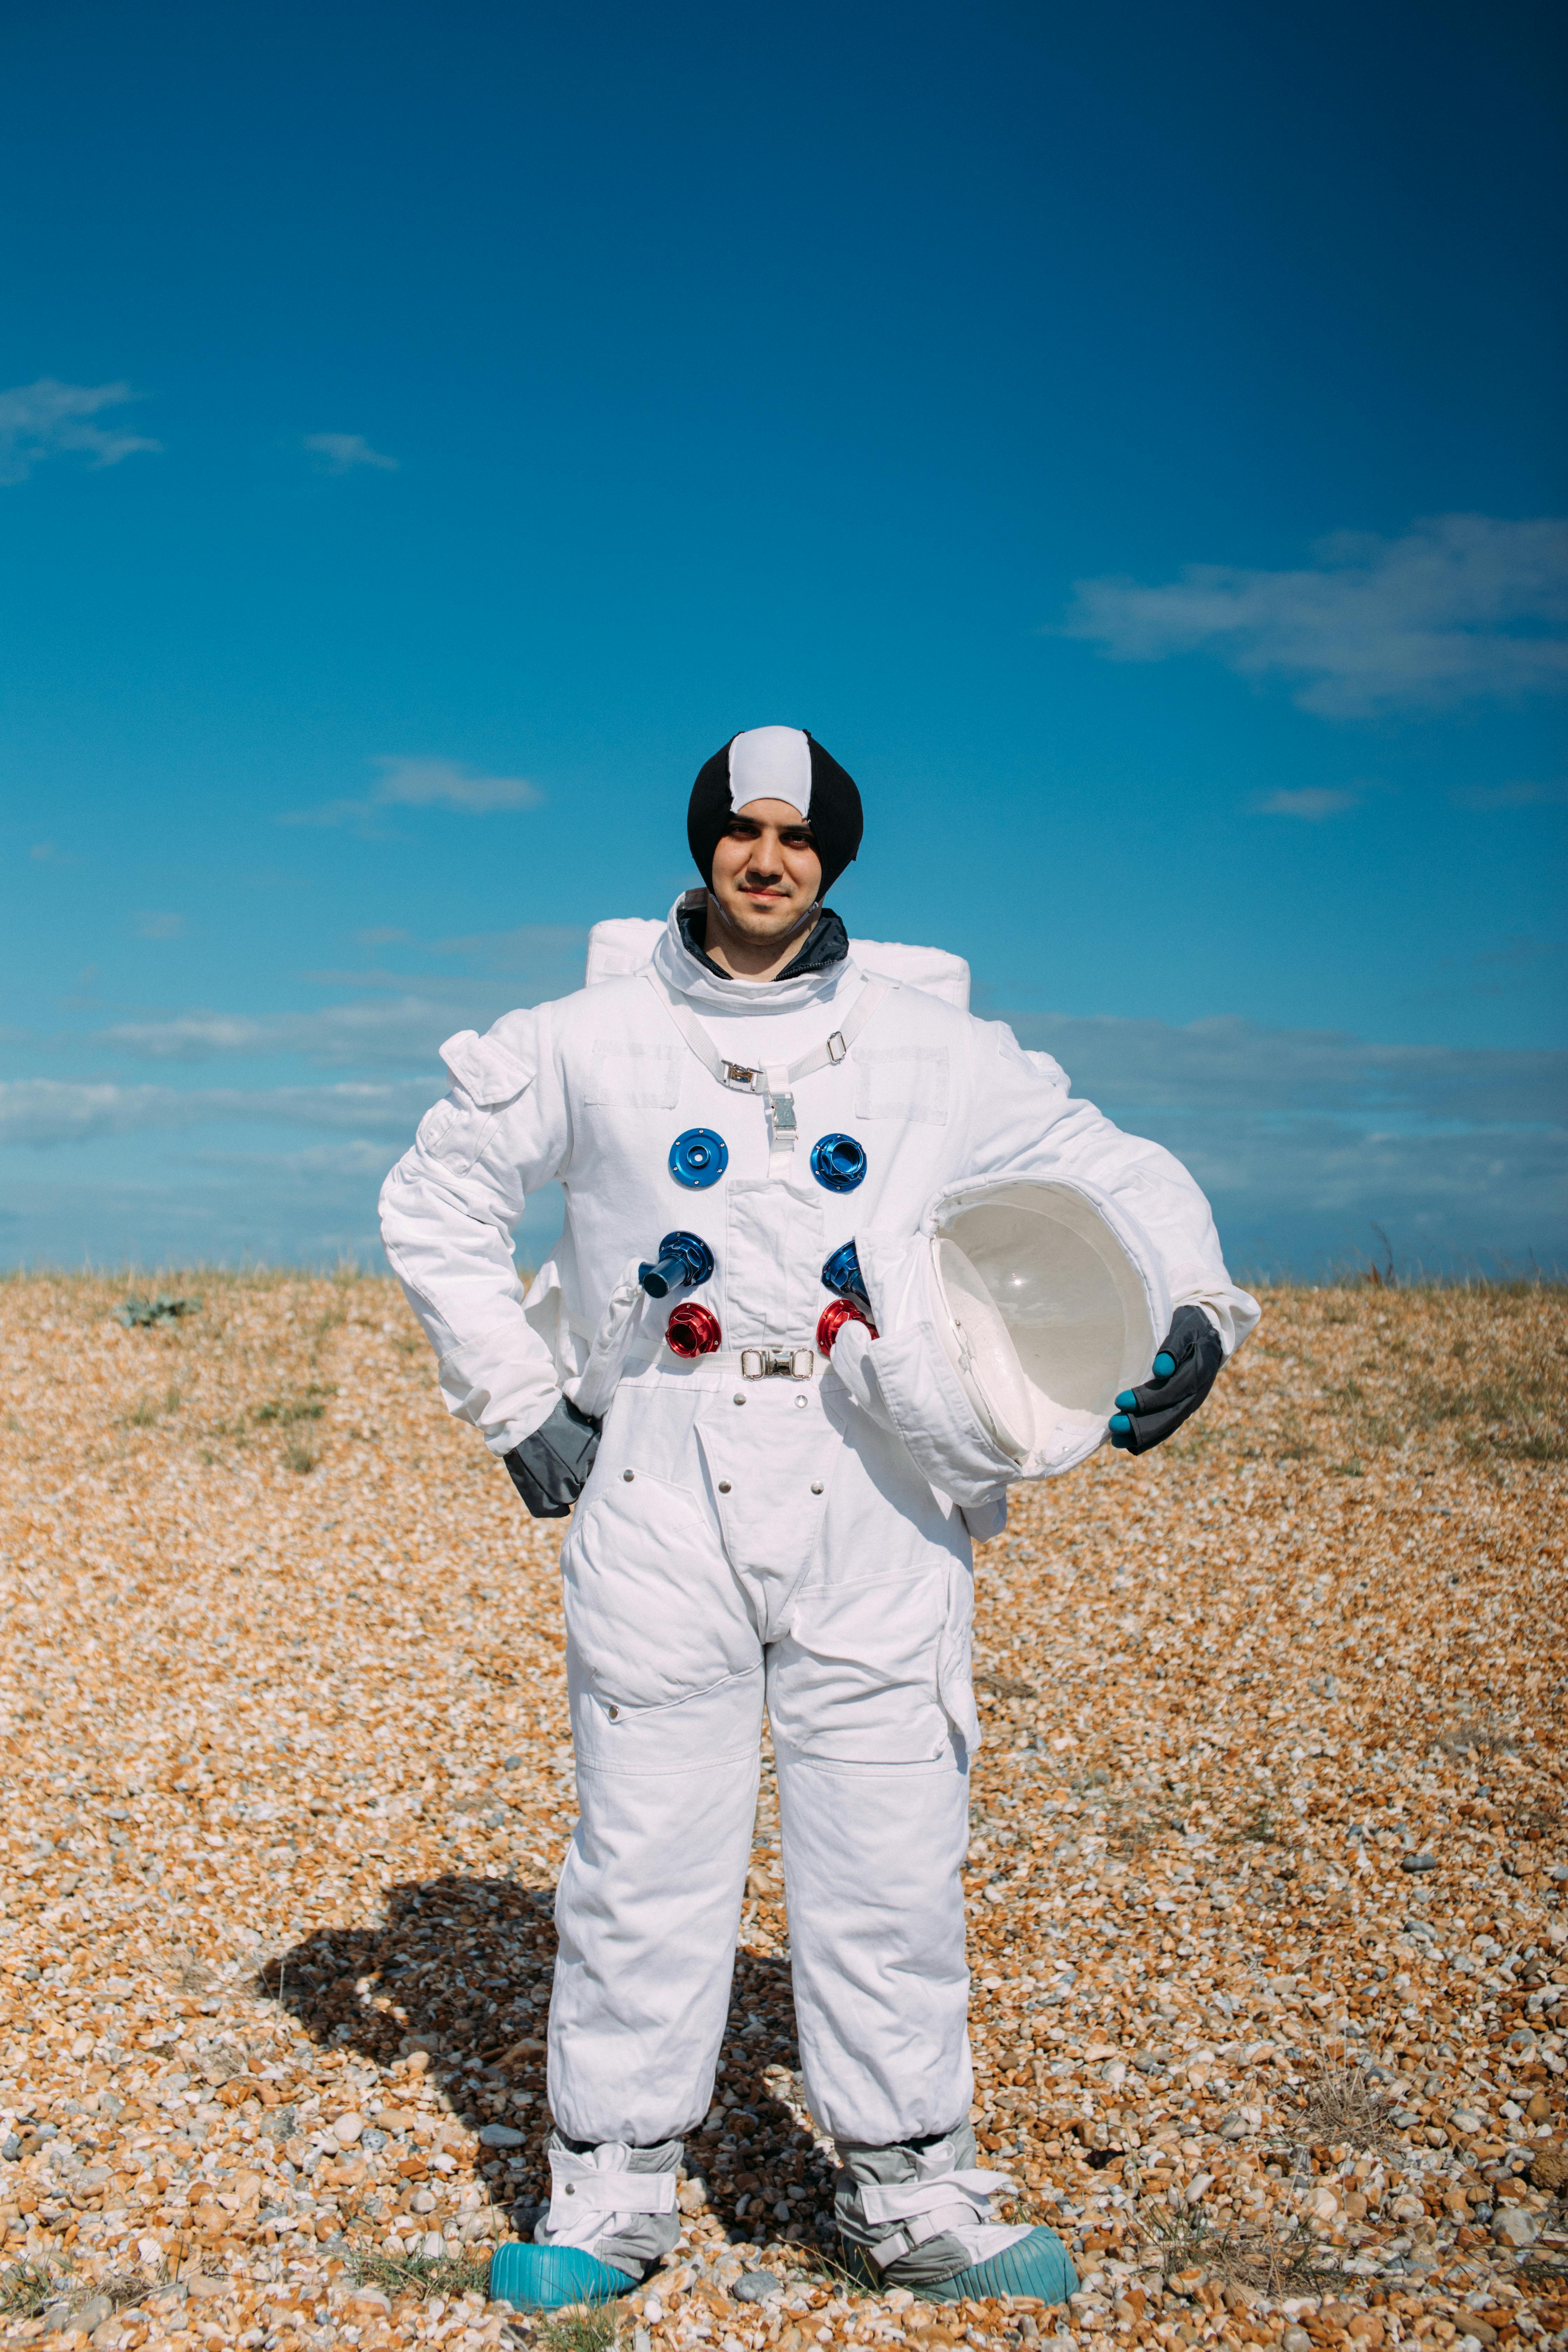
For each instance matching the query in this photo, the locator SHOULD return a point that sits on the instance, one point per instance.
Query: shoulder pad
(933, 969)
(621, 947)
(488, 1070)
(1007, 1046)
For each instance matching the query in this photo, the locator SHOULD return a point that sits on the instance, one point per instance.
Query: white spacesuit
(751, 1535)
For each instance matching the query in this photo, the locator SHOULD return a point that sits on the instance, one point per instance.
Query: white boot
(612, 2214)
(614, 2201)
(919, 2216)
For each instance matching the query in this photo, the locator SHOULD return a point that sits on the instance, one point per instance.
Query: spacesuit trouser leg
(873, 1857)
(648, 1910)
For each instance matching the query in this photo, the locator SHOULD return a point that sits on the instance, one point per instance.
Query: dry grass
(584, 2327)
(424, 2276)
(30, 2289)
(1344, 2106)
(26, 2289)
(1269, 2262)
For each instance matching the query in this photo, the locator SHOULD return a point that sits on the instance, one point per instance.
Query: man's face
(766, 871)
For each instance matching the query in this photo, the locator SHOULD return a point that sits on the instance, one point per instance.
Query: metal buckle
(777, 1363)
(837, 1048)
(737, 1075)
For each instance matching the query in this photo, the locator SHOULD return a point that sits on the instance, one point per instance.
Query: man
(747, 1533)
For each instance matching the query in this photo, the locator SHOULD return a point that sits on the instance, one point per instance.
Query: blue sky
(1128, 438)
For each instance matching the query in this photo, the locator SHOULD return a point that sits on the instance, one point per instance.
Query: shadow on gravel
(461, 1969)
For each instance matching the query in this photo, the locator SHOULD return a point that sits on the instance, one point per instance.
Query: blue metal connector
(842, 1276)
(682, 1263)
(838, 1161)
(697, 1157)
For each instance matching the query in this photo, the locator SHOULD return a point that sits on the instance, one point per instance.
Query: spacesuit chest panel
(774, 1243)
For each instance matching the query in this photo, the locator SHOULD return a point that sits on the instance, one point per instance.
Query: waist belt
(734, 1363)
(772, 1363)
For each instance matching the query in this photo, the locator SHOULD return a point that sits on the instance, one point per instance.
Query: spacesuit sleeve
(447, 1213)
(1027, 1122)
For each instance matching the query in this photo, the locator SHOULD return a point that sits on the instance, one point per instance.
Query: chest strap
(774, 1082)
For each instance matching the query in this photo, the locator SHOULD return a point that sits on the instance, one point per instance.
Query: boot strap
(898, 2200)
(608, 2192)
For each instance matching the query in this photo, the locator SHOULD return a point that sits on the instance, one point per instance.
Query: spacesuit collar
(697, 978)
(827, 942)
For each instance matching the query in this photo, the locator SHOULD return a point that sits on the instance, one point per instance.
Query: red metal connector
(831, 1322)
(692, 1330)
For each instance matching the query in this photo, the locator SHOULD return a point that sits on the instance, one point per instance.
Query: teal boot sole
(542, 2278)
(1037, 2265)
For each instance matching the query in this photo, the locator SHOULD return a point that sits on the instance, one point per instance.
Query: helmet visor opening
(1049, 1303)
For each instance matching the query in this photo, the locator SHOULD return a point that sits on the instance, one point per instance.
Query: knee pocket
(872, 1672)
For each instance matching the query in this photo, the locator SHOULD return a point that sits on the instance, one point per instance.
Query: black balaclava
(776, 764)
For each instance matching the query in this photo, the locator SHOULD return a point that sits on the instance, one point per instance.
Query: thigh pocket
(855, 1681)
(652, 1603)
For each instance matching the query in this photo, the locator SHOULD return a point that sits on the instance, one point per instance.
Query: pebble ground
(1266, 1888)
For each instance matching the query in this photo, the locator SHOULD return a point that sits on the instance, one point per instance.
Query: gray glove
(551, 1468)
(1184, 1370)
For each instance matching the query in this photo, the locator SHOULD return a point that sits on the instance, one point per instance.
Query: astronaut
(720, 1369)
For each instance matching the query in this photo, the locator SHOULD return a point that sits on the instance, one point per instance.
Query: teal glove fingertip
(1163, 1366)
(1120, 1425)
(1128, 1402)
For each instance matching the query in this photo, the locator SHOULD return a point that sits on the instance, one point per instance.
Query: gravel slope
(1267, 1880)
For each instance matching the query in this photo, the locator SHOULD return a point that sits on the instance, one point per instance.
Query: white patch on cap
(770, 763)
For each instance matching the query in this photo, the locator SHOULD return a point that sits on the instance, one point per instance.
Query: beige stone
(1241, 1649)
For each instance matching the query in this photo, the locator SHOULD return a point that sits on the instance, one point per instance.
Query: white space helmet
(1053, 1301)
(1008, 1328)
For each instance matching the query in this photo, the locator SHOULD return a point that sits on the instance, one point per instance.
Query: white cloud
(1296, 1192)
(340, 453)
(547, 955)
(1462, 607)
(1229, 1064)
(152, 926)
(1484, 798)
(407, 1032)
(43, 1112)
(48, 419)
(1311, 802)
(361, 1159)
(442, 784)
(528, 949)
(425, 784)
(1303, 1138)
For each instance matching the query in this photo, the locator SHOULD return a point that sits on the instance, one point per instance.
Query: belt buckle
(737, 1075)
(777, 1363)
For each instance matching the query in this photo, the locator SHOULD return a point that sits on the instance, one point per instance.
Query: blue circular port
(698, 1158)
(683, 1261)
(838, 1161)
